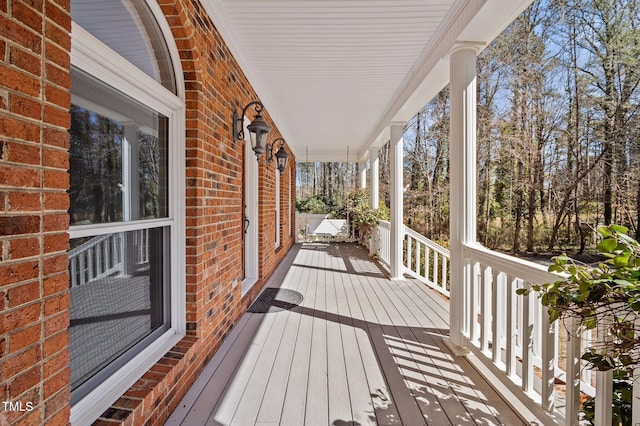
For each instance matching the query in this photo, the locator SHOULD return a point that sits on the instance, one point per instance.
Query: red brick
(56, 284)
(19, 129)
(23, 294)
(57, 75)
(19, 271)
(56, 363)
(55, 158)
(59, 15)
(57, 35)
(56, 222)
(57, 116)
(31, 417)
(23, 153)
(55, 263)
(58, 96)
(19, 81)
(23, 247)
(55, 305)
(56, 343)
(57, 408)
(27, 16)
(59, 418)
(16, 363)
(21, 384)
(55, 179)
(56, 201)
(56, 137)
(26, 107)
(22, 317)
(19, 177)
(14, 31)
(56, 383)
(57, 242)
(25, 61)
(24, 201)
(56, 324)
(16, 225)
(24, 338)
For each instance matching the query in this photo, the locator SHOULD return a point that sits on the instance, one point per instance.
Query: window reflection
(118, 297)
(118, 162)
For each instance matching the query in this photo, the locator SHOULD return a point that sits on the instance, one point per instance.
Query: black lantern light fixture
(281, 155)
(258, 129)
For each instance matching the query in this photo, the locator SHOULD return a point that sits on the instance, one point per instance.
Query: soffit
(333, 74)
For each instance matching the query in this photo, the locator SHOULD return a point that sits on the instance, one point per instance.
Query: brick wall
(34, 302)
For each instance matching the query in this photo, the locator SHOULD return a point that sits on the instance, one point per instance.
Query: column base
(456, 350)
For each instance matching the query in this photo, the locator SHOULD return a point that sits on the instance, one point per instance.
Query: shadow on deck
(355, 349)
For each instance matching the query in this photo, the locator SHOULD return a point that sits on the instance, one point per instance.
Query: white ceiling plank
(335, 73)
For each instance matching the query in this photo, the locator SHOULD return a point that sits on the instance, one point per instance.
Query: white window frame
(89, 55)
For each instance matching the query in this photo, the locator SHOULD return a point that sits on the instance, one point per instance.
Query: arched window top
(129, 28)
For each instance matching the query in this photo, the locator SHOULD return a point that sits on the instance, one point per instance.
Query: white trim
(251, 211)
(277, 244)
(90, 55)
(87, 410)
(291, 180)
(95, 229)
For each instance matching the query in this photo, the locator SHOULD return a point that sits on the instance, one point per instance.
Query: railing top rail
(528, 271)
(88, 244)
(432, 245)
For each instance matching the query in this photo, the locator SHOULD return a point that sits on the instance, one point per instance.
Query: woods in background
(558, 134)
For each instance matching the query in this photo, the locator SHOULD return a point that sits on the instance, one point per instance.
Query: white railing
(105, 255)
(426, 261)
(97, 258)
(380, 242)
(511, 334)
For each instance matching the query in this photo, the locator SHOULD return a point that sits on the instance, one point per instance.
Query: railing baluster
(572, 410)
(604, 379)
(527, 343)
(435, 268)
(635, 405)
(73, 271)
(474, 302)
(485, 308)
(548, 344)
(510, 327)
(444, 262)
(409, 251)
(495, 317)
(418, 260)
(83, 277)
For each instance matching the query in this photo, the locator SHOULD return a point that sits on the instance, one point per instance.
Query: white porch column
(462, 204)
(374, 177)
(362, 174)
(395, 188)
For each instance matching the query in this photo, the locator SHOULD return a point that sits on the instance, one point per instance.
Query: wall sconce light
(258, 129)
(281, 155)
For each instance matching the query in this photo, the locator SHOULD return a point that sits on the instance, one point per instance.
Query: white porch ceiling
(333, 74)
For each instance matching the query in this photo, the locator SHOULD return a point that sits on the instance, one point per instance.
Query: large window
(126, 259)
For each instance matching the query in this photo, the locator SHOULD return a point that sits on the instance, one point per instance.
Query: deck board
(359, 350)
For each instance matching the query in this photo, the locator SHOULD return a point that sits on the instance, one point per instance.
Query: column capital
(475, 46)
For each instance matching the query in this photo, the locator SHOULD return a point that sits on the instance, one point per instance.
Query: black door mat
(275, 300)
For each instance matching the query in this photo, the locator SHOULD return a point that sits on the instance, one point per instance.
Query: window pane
(129, 28)
(118, 298)
(118, 156)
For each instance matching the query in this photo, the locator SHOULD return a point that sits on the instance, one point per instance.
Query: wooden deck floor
(359, 350)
